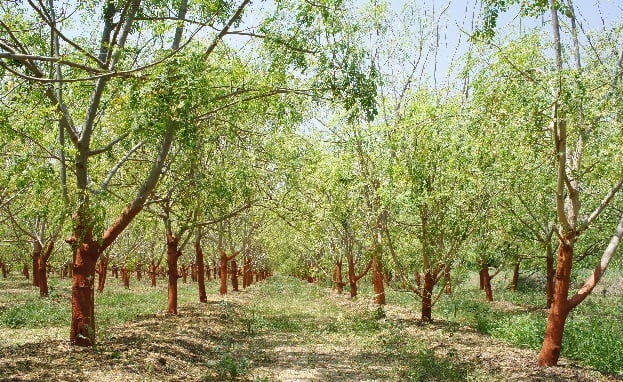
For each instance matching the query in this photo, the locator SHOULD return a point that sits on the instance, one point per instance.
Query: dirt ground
(216, 341)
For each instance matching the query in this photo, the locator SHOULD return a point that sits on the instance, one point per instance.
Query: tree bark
(200, 268)
(102, 270)
(552, 343)
(515, 279)
(377, 281)
(339, 280)
(427, 296)
(152, 273)
(86, 253)
(125, 277)
(37, 248)
(42, 270)
(234, 275)
(486, 278)
(223, 273)
(172, 256)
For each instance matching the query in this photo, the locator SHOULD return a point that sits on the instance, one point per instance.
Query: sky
(456, 19)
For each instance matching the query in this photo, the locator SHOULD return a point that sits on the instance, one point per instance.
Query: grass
(22, 308)
(593, 332)
(305, 319)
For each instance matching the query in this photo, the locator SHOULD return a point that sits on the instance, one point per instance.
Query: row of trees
(308, 138)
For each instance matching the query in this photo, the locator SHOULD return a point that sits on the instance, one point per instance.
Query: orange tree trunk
(352, 277)
(339, 280)
(172, 256)
(234, 275)
(427, 296)
(377, 281)
(552, 343)
(102, 270)
(43, 277)
(36, 254)
(486, 280)
(223, 273)
(200, 270)
(152, 273)
(86, 252)
(43, 270)
(515, 279)
(125, 277)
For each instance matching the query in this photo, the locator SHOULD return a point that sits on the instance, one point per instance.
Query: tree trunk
(427, 296)
(172, 256)
(515, 279)
(184, 273)
(339, 280)
(200, 271)
(4, 269)
(377, 281)
(25, 272)
(234, 275)
(552, 343)
(36, 254)
(125, 277)
(102, 270)
(208, 270)
(223, 273)
(482, 280)
(486, 278)
(152, 273)
(86, 253)
(352, 277)
(43, 277)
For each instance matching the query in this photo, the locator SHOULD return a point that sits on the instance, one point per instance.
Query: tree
(582, 130)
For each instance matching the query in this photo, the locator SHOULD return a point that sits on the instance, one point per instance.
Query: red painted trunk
(43, 278)
(552, 343)
(200, 272)
(82, 296)
(43, 271)
(515, 279)
(339, 280)
(352, 277)
(125, 277)
(234, 275)
(486, 280)
(377, 281)
(36, 254)
(184, 273)
(172, 256)
(427, 296)
(102, 270)
(152, 273)
(223, 273)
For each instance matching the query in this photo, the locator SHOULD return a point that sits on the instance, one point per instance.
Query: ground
(282, 330)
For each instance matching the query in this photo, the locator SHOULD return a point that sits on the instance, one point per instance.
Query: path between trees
(284, 330)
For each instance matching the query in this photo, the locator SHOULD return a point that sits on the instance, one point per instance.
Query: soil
(214, 341)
